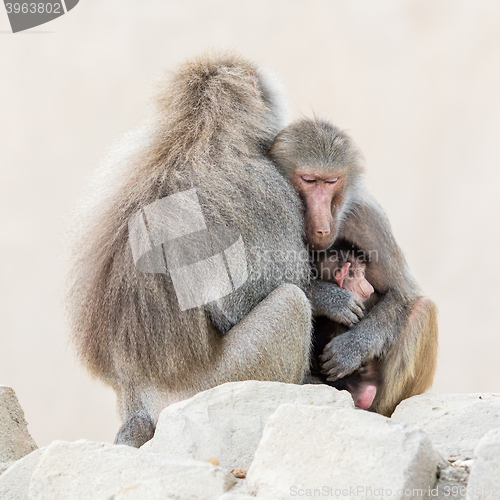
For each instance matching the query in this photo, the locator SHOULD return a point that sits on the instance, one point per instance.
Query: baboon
(346, 267)
(193, 191)
(400, 332)
(205, 146)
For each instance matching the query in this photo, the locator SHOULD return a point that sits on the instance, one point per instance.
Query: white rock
(14, 484)
(317, 451)
(226, 422)
(454, 422)
(15, 440)
(88, 470)
(484, 480)
(152, 489)
(452, 483)
(4, 466)
(234, 496)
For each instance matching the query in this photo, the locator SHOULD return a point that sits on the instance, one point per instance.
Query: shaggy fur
(211, 124)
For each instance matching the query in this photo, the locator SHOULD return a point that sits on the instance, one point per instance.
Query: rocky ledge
(271, 441)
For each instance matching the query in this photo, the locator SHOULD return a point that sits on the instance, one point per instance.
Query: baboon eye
(332, 181)
(308, 178)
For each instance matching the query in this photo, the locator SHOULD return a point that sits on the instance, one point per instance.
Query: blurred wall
(416, 82)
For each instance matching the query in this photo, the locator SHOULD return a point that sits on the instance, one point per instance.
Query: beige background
(417, 83)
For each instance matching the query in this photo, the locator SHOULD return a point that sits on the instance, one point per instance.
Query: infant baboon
(400, 332)
(346, 267)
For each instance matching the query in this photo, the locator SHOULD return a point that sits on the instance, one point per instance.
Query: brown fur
(212, 122)
(411, 363)
(400, 332)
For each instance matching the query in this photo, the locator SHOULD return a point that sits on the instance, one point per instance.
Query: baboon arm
(369, 229)
(370, 338)
(387, 271)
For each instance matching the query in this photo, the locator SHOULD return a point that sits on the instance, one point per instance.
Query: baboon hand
(339, 359)
(337, 304)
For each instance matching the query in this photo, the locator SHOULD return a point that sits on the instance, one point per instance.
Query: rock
(152, 489)
(15, 440)
(240, 489)
(226, 422)
(89, 470)
(467, 464)
(452, 483)
(4, 466)
(236, 496)
(14, 484)
(454, 422)
(484, 480)
(158, 489)
(239, 473)
(320, 451)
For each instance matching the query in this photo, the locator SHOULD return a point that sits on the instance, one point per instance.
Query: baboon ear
(254, 81)
(341, 273)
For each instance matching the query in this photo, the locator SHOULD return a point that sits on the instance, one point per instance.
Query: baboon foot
(366, 396)
(136, 430)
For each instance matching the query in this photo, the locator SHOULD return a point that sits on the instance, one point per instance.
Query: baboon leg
(138, 423)
(140, 408)
(271, 343)
(408, 368)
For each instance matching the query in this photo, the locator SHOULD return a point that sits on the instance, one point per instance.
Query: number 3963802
(33, 8)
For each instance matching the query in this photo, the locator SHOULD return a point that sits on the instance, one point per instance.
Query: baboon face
(322, 194)
(324, 166)
(351, 276)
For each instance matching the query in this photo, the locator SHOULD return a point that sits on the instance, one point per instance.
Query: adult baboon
(197, 170)
(400, 332)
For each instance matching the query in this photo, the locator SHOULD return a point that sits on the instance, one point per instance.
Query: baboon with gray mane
(213, 122)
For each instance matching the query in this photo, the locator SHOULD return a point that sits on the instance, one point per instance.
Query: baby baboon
(145, 318)
(325, 167)
(346, 267)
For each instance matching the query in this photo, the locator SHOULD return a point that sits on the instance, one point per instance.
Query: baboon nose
(322, 232)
